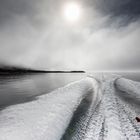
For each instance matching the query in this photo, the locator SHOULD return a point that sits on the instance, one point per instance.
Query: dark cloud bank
(34, 34)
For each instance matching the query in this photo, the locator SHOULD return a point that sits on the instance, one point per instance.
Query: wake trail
(99, 107)
(114, 116)
(47, 117)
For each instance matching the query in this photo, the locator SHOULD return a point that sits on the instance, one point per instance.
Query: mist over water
(35, 34)
(100, 36)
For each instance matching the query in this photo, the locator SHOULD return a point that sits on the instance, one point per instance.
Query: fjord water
(16, 89)
(135, 76)
(96, 107)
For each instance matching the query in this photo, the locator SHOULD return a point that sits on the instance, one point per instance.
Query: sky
(35, 34)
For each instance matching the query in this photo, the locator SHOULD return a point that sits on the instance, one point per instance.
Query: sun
(72, 11)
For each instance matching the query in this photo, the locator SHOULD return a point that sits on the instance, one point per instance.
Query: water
(114, 116)
(130, 75)
(18, 89)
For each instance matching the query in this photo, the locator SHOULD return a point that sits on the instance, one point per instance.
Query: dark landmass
(65, 71)
(17, 70)
(6, 70)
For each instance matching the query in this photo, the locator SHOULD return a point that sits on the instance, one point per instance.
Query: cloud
(126, 9)
(34, 34)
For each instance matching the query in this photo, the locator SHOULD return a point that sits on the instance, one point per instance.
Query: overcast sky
(35, 34)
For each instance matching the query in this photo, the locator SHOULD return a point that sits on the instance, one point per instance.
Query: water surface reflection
(18, 89)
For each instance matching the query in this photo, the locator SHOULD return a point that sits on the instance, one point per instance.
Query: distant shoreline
(22, 72)
(64, 71)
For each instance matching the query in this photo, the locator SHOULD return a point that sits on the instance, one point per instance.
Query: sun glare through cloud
(72, 11)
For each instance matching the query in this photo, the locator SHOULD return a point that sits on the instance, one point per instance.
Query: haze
(103, 35)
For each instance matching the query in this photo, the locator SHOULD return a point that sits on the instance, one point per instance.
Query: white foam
(47, 117)
(130, 88)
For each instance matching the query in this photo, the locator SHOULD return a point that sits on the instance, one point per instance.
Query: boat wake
(100, 107)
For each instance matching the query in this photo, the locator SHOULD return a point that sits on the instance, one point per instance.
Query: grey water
(15, 89)
(135, 76)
